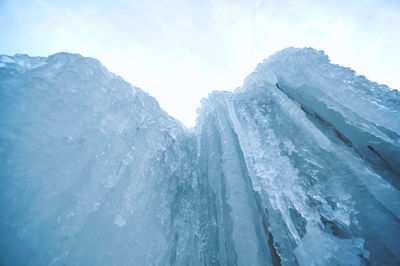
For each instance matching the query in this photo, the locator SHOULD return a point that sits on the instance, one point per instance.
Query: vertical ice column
(240, 209)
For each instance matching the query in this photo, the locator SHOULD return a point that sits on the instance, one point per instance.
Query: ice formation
(299, 166)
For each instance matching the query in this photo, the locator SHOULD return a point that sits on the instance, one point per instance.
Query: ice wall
(93, 172)
(299, 166)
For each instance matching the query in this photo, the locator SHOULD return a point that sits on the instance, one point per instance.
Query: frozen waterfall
(299, 166)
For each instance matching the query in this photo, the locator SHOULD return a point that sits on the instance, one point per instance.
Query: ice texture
(299, 166)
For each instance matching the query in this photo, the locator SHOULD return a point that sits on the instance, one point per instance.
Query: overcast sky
(179, 51)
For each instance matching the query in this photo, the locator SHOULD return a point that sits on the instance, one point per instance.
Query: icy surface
(299, 166)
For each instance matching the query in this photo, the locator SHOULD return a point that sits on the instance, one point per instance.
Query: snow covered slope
(299, 166)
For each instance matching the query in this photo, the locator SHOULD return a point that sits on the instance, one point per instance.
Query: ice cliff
(299, 166)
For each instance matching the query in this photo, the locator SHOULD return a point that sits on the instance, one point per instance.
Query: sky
(179, 51)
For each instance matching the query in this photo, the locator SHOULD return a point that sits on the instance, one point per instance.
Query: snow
(299, 166)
